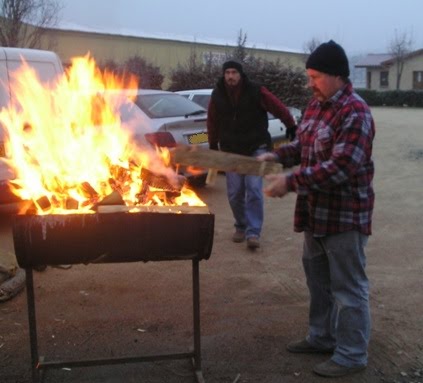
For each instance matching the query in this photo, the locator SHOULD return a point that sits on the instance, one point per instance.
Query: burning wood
(162, 182)
(43, 203)
(114, 198)
(158, 188)
(70, 151)
(88, 191)
(71, 204)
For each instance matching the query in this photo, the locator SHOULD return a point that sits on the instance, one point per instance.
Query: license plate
(279, 142)
(198, 138)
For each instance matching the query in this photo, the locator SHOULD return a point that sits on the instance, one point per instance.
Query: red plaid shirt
(334, 181)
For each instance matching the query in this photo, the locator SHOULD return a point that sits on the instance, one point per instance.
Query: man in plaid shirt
(334, 208)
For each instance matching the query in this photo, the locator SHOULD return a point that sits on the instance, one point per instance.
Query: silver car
(164, 118)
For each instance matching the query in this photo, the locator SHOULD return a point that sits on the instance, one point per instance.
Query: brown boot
(253, 243)
(238, 236)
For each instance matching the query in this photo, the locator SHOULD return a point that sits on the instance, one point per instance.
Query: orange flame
(67, 146)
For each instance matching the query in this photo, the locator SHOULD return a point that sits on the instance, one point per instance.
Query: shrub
(392, 98)
(149, 76)
(284, 81)
(195, 74)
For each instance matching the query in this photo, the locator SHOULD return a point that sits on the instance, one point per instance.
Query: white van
(47, 66)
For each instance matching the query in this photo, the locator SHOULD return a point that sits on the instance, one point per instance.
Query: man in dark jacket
(237, 123)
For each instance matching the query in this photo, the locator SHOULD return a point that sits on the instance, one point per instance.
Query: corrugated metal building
(165, 52)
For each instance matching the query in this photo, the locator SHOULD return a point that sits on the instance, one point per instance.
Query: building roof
(374, 60)
(68, 26)
(407, 56)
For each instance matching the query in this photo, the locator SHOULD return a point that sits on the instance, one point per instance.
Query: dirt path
(252, 304)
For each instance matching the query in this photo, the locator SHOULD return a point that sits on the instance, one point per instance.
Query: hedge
(392, 98)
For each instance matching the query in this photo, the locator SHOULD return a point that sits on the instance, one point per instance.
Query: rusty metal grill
(111, 238)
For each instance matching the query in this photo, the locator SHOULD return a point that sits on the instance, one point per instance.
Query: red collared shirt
(334, 181)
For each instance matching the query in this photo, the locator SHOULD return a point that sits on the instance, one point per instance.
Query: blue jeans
(339, 314)
(245, 195)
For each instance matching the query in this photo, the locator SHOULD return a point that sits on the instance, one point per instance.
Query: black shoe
(332, 369)
(303, 347)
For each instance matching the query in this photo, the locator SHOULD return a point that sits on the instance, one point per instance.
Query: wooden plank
(228, 162)
(105, 209)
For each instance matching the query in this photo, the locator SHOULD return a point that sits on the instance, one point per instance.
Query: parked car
(276, 128)
(200, 96)
(47, 66)
(164, 119)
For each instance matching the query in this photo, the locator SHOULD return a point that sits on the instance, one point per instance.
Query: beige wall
(413, 64)
(166, 54)
(375, 80)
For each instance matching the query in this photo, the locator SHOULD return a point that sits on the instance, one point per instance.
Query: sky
(360, 26)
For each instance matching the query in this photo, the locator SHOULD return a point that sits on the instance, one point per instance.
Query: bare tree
(400, 46)
(23, 22)
(240, 52)
(311, 45)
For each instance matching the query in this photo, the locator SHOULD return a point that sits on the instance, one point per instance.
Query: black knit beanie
(329, 58)
(232, 64)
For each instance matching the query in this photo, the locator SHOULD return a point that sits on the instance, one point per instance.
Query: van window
(4, 85)
(46, 71)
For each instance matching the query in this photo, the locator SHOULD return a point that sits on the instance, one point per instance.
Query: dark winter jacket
(239, 126)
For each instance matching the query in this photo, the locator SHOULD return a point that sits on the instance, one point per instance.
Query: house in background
(357, 75)
(381, 71)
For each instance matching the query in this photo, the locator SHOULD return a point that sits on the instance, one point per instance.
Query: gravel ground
(252, 303)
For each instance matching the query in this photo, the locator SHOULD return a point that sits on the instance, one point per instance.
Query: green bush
(195, 74)
(412, 98)
(149, 76)
(284, 81)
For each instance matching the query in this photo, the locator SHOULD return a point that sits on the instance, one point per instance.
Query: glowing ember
(69, 151)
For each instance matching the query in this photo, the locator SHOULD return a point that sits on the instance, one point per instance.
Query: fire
(68, 148)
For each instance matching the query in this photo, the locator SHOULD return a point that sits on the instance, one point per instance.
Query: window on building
(384, 79)
(217, 58)
(418, 80)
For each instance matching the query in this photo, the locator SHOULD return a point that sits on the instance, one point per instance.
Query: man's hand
(268, 156)
(290, 132)
(276, 185)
